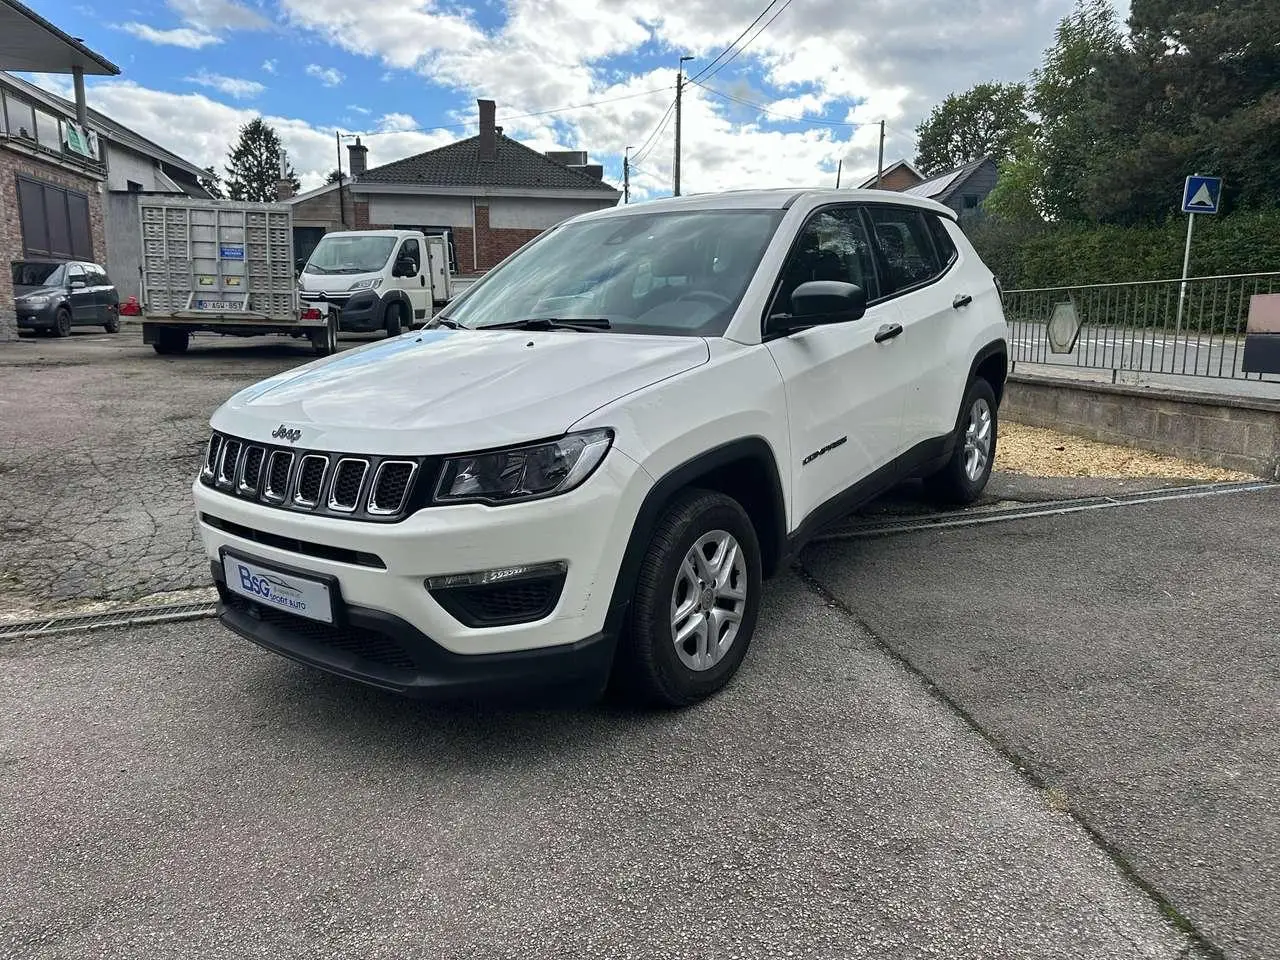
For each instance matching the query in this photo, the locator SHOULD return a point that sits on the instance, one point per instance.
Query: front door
(84, 303)
(845, 390)
(417, 285)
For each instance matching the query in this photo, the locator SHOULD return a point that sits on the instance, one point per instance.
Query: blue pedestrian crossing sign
(1201, 194)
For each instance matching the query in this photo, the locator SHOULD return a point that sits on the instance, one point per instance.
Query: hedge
(1024, 256)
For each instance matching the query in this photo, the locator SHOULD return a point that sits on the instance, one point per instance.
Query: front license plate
(284, 591)
(216, 305)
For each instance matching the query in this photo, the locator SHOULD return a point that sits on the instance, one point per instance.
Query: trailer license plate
(284, 591)
(216, 305)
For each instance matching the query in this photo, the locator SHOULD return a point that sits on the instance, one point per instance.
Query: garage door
(55, 221)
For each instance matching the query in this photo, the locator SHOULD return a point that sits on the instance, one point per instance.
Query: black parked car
(55, 296)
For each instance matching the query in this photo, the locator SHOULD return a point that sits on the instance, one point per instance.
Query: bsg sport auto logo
(271, 589)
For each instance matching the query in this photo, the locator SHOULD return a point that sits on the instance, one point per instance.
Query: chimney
(358, 155)
(284, 190)
(488, 134)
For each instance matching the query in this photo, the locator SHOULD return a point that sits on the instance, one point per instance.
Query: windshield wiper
(447, 322)
(551, 323)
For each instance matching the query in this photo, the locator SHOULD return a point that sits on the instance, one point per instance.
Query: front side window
(672, 273)
(334, 254)
(905, 245)
(75, 273)
(832, 246)
(409, 251)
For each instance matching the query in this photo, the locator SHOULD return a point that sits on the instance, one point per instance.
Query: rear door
(921, 269)
(104, 293)
(84, 306)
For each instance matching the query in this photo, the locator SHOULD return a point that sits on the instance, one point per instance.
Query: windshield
(350, 254)
(662, 273)
(27, 273)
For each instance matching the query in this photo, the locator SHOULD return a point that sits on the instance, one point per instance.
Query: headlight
(524, 473)
(35, 301)
(373, 284)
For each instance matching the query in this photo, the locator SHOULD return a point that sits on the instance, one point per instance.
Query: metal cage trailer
(225, 267)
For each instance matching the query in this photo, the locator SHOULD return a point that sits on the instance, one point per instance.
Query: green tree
(253, 167)
(211, 183)
(334, 176)
(987, 120)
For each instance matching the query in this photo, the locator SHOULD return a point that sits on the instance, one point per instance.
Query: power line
(518, 116)
(763, 109)
(651, 141)
(736, 53)
(699, 74)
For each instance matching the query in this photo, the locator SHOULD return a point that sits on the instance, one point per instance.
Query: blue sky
(805, 94)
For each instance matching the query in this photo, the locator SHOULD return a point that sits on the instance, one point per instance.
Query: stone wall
(1238, 433)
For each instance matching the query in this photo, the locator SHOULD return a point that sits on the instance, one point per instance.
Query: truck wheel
(170, 341)
(325, 342)
(62, 323)
(966, 474)
(696, 600)
(395, 316)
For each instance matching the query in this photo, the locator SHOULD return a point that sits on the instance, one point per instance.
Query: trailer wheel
(325, 342)
(171, 341)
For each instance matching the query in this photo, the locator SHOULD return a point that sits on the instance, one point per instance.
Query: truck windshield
(350, 254)
(675, 274)
(27, 273)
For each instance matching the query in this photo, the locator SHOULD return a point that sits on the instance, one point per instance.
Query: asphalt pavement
(175, 792)
(1130, 658)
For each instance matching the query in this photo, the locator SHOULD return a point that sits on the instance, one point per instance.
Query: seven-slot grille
(333, 484)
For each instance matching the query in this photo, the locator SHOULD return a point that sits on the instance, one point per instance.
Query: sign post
(1199, 195)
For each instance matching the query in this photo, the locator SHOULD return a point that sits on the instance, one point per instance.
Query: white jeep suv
(582, 470)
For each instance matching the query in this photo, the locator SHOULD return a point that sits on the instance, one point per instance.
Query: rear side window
(903, 239)
(942, 241)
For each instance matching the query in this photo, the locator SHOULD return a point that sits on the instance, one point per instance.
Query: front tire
(695, 604)
(62, 323)
(965, 476)
(395, 313)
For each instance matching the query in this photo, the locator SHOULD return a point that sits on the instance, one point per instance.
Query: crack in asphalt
(1197, 939)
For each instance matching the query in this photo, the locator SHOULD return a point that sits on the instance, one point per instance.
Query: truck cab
(377, 279)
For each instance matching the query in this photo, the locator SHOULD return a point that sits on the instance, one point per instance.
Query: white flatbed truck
(225, 267)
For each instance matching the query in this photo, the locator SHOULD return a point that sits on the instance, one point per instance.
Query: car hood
(450, 391)
(22, 291)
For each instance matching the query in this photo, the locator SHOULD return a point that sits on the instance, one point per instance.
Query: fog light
(483, 578)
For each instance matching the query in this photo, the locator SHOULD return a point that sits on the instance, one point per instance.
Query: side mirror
(77, 285)
(827, 301)
(404, 268)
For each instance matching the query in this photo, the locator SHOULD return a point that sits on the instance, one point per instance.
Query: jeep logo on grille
(287, 433)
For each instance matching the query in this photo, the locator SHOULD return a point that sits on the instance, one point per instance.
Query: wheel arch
(991, 363)
(744, 469)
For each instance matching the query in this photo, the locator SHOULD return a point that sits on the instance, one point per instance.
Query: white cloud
(355, 108)
(231, 86)
(396, 123)
(219, 15)
(187, 37)
(326, 75)
(203, 130)
(269, 66)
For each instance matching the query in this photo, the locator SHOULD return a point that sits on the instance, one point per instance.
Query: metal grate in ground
(108, 620)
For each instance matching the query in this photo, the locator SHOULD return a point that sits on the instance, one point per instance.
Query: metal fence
(1194, 328)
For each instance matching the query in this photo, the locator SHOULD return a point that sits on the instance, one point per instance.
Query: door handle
(422, 281)
(961, 300)
(888, 332)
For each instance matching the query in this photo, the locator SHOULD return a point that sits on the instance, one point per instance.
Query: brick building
(488, 195)
(52, 166)
(898, 176)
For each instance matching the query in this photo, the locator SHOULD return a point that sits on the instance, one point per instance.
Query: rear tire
(113, 319)
(395, 316)
(169, 341)
(61, 323)
(691, 620)
(966, 474)
(325, 342)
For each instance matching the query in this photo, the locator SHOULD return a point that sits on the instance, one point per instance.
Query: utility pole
(626, 176)
(342, 203)
(839, 167)
(679, 90)
(880, 162)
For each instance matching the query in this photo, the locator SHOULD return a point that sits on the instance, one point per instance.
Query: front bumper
(360, 312)
(382, 650)
(379, 569)
(36, 318)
